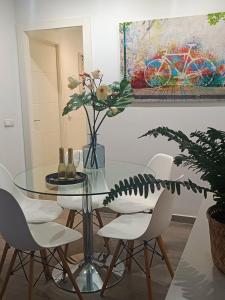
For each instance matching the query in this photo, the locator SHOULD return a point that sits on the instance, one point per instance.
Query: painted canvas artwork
(176, 58)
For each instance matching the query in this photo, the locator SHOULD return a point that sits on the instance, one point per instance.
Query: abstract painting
(179, 58)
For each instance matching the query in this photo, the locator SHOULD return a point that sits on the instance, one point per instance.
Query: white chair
(161, 165)
(35, 211)
(28, 238)
(143, 227)
(74, 203)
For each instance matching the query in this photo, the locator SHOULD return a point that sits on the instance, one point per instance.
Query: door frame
(24, 67)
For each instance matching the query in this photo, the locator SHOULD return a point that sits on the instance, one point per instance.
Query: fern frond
(205, 153)
(148, 183)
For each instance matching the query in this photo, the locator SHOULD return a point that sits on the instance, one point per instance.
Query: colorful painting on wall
(175, 59)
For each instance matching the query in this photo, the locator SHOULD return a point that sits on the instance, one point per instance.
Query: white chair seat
(75, 202)
(40, 211)
(35, 211)
(126, 227)
(52, 235)
(132, 204)
(161, 165)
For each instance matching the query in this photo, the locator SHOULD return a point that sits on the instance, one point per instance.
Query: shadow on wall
(195, 286)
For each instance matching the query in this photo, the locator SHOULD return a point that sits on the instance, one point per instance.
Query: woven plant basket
(217, 237)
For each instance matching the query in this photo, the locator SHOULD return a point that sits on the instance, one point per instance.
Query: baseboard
(183, 219)
(175, 218)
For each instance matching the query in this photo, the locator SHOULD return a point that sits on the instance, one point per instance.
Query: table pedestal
(90, 271)
(89, 276)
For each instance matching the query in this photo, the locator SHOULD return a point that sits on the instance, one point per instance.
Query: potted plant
(104, 101)
(204, 153)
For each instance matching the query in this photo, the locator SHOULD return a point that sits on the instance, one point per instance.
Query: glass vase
(94, 154)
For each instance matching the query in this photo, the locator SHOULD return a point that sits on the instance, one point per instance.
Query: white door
(44, 106)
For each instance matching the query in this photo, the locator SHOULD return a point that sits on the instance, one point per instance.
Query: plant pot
(217, 236)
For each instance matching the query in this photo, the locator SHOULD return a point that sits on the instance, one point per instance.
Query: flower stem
(101, 122)
(88, 118)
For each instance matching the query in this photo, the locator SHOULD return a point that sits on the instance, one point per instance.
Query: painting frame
(201, 70)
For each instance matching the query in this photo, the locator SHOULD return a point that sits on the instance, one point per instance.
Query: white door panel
(44, 104)
(43, 58)
(45, 87)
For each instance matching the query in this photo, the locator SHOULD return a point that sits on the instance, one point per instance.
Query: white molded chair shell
(142, 226)
(75, 202)
(19, 235)
(13, 225)
(52, 235)
(161, 216)
(40, 211)
(6, 180)
(126, 227)
(161, 165)
(97, 181)
(35, 211)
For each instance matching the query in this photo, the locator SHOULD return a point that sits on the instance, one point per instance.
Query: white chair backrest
(161, 164)
(161, 216)
(7, 183)
(13, 225)
(6, 179)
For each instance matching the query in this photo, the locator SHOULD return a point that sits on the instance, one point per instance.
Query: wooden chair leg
(147, 273)
(98, 216)
(31, 276)
(12, 262)
(164, 253)
(68, 218)
(108, 275)
(106, 240)
(5, 251)
(73, 213)
(46, 269)
(129, 258)
(67, 269)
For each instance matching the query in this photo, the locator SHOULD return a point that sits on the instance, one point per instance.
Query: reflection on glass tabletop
(99, 180)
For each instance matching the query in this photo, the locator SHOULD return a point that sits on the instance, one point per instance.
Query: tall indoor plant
(204, 153)
(103, 100)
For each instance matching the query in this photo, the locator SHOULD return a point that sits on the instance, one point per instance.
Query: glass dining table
(90, 271)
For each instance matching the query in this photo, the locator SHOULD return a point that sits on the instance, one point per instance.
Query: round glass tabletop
(100, 181)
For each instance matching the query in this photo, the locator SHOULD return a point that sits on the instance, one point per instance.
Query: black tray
(53, 179)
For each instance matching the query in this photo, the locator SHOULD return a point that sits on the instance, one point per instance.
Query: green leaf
(76, 101)
(214, 18)
(143, 184)
(111, 113)
(123, 84)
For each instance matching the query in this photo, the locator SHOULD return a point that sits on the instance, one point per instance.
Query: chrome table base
(89, 276)
(90, 271)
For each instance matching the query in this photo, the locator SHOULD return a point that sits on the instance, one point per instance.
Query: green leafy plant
(203, 152)
(104, 101)
(214, 18)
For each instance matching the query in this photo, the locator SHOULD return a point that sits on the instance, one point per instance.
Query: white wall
(11, 139)
(120, 135)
